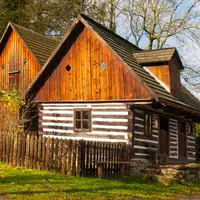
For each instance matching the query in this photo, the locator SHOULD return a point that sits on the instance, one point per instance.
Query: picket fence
(78, 158)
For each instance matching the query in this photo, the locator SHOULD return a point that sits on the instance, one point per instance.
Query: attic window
(68, 68)
(3, 66)
(103, 66)
(14, 80)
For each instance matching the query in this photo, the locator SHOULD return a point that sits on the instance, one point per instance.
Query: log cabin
(22, 54)
(97, 86)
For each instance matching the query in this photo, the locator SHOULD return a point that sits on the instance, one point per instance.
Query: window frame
(148, 124)
(81, 110)
(15, 80)
(191, 129)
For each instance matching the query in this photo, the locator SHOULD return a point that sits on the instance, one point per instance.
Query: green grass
(20, 183)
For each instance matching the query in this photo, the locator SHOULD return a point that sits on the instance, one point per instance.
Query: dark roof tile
(41, 45)
(156, 56)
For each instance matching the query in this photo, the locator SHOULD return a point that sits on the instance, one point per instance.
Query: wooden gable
(16, 58)
(89, 71)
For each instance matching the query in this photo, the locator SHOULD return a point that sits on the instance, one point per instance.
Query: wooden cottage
(22, 54)
(97, 86)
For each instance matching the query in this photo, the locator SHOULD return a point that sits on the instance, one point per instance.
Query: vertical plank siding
(109, 121)
(86, 80)
(78, 158)
(13, 58)
(173, 138)
(141, 142)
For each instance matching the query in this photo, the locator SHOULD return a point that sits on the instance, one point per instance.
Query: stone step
(169, 171)
(165, 179)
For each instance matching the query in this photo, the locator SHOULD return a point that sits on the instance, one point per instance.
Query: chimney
(164, 65)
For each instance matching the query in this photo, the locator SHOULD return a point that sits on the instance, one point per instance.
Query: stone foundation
(167, 173)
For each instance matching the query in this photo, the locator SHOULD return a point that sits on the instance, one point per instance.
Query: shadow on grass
(56, 179)
(34, 182)
(102, 191)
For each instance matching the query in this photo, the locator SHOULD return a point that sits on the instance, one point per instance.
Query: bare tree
(156, 21)
(154, 24)
(107, 12)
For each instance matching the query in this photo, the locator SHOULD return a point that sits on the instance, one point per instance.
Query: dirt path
(3, 198)
(191, 197)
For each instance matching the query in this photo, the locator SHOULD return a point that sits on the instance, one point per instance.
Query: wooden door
(182, 139)
(163, 142)
(164, 136)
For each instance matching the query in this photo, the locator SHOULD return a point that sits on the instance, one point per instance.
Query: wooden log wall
(76, 158)
(191, 142)
(141, 142)
(173, 138)
(111, 122)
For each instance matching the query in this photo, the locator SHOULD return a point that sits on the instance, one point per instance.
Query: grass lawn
(19, 183)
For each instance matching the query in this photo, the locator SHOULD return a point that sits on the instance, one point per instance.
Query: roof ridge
(145, 50)
(34, 32)
(93, 21)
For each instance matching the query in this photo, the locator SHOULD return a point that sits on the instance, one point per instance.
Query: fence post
(27, 150)
(39, 152)
(51, 155)
(83, 146)
(23, 149)
(31, 150)
(1, 141)
(43, 152)
(19, 143)
(7, 148)
(74, 158)
(69, 172)
(47, 153)
(65, 146)
(56, 154)
(11, 148)
(78, 172)
(15, 150)
(4, 147)
(35, 151)
(59, 155)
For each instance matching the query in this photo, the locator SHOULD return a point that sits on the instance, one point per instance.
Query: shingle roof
(126, 50)
(42, 46)
(156, 56)
(161, 55)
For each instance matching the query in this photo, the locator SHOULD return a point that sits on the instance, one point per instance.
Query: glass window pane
(85, 115)
(78, 114)
(78, 124)
(85, 124)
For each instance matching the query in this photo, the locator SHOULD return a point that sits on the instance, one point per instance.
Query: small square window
(82, 120)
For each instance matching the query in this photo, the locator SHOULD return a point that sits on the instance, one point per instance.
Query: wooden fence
(78, 158)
